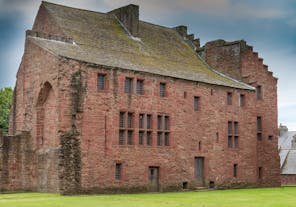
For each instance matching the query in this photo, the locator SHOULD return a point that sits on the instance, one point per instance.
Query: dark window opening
(121, 120)
(241, 100)
(148, 121)
(235, 170)
(121, 137)
(196, 103)
(130, 118)
(162, 89)
(141, 121)
(149, 138)
(259, 92)
(229, 98)
(185, 94)
(235, 125)
(159, 122)
(101, 81)
(139, 88)
(229, 128)
(236, 142)
(185, 185)
(230, 141)
(128, 88)
(270, 137)
(259, 136)
(259, 124)
(211, 184)
(260, 172)
(141, 138)
(166, 139)
(159, 138)
(212, 91)
(118, 171)
(166, 123)
(199, 145)
(130, 137)
(217, 137)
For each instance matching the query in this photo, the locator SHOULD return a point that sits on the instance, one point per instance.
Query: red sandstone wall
(256, 73)
(99, 144)
(238, 58)
(288, 179)
(45, 23)
(38, 67)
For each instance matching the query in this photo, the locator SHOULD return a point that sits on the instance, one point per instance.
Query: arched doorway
(47, 118)
(47, 140)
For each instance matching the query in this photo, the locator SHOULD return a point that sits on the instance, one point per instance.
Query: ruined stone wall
(16, 163)
(288, 179)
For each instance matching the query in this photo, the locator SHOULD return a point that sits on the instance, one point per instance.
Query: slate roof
(100, 39)
(287, 153)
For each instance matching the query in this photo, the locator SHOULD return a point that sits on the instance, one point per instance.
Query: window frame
(162, 89)
(102, 86)
(128, 85)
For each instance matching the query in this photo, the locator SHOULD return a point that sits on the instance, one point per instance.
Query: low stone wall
(16, 161)
(288, 179)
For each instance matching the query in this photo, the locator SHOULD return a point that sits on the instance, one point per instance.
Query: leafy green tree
(5, 105)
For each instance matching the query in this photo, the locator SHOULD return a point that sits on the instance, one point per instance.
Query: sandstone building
(287, 152)
(105, 102)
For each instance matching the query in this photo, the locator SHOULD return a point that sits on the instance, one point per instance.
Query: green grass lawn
(263, 197)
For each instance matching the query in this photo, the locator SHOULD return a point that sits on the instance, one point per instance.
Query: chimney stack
(129, 18)
(282, 129)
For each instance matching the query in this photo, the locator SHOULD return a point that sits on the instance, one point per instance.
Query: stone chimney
(282, 129)
(293, 142)
(129, 18)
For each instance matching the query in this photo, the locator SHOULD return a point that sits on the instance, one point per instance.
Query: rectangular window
(162, 89)
(229, 128)
(259, 92)
(121, 137)
(235, 170)
(236, 142)
(101, 81)
(259, 124)
(241, 100)
(235, 125)
(196, 103)
(270, 137)
(159, 124)
(130, 120)
(166, 123)
(118, 171)
(121, 120)
(159, 138)
(149, 121)
(166, 139)
(141, 138)
(128, 87)
(149, 138)
(229, 98)
(259, 136)
(139, 89)
(141, 121)
(230, 141)
(130, 137)
(260, 172)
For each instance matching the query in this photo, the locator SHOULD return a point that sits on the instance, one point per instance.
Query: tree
(5, 105)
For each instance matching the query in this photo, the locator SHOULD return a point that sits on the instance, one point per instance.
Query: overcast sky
(268, 25)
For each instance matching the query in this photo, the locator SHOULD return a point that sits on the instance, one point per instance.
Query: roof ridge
(69, 7)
